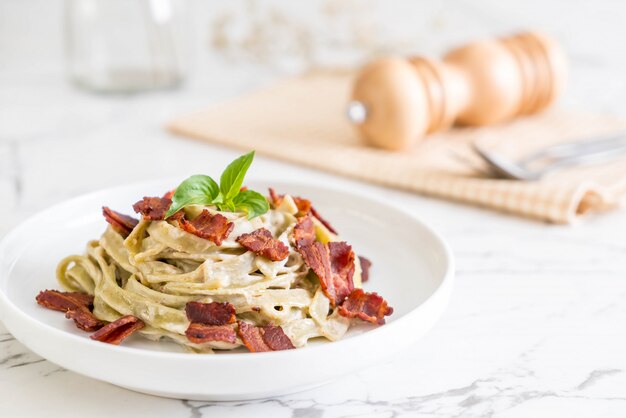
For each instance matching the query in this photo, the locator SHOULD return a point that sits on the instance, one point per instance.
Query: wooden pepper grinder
(396, 101)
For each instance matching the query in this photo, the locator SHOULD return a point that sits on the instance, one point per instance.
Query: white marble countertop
(536, 322)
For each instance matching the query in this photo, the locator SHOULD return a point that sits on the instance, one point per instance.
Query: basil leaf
(196, 190)
(218, 199)
(226, 206)
(232, 177)
(251, 202)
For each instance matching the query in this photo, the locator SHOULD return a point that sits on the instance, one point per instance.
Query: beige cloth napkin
(302, 120)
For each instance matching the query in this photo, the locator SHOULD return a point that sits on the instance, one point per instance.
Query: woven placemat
(302, 120)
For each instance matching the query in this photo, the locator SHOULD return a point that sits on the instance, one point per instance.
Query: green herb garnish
(227, 196)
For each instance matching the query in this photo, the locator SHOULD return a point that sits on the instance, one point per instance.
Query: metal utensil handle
(571, 149)
(587, 158)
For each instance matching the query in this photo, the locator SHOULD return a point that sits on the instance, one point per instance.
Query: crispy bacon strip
(267, 338)
(84, 319)
(177, 217)
(64, 301)
(118, 331)
(212, 227)
(303, 231)
(170, 194)
(83, 298)
(214, 313)
(304, 207)
(275, 338)
(316, 256)
(365, 268)
(251, 337)
(123, 224)
(262, 242)
(322, 220)
(369, 307)
(76, 305)
(342, 266)
(201, 333)
(334, 265)
(153, 208)
(276, 199)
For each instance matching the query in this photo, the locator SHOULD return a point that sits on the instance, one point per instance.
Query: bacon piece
(118, 331)
(342, 266)
(267, 338)
(275, 338)
(122, 224)
(369, 307)
(84, 298)
(177, 217)
(303, 205)
(304, 231)
(251, 337)
(322, 220)
(153, 208)
(212, 227)
(262, 242)
(84, 319)
(334, 265)
(170, 194)
(316, 256)
(201, 333)
(276, 199)
(76, 305)
(213, 313)
(365, 268)
(64, 301)
(304, 208)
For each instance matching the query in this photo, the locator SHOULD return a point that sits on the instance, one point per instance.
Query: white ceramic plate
(412, 269)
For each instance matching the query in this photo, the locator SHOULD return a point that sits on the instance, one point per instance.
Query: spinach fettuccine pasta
(215, 267)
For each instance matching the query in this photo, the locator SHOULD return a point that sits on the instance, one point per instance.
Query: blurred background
(276, 37)
(53, 97)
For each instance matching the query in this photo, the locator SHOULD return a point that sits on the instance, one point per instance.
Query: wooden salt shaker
(396, 101)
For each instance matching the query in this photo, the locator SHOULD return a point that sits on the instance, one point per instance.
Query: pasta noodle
(158, 268)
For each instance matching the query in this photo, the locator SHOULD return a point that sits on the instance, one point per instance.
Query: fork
(557, 156)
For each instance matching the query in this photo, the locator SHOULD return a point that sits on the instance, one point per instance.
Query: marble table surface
(535, 326)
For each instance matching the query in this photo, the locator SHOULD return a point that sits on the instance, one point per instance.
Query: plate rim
(445, 284)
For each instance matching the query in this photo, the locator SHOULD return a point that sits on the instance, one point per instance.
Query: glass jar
(126, 46)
